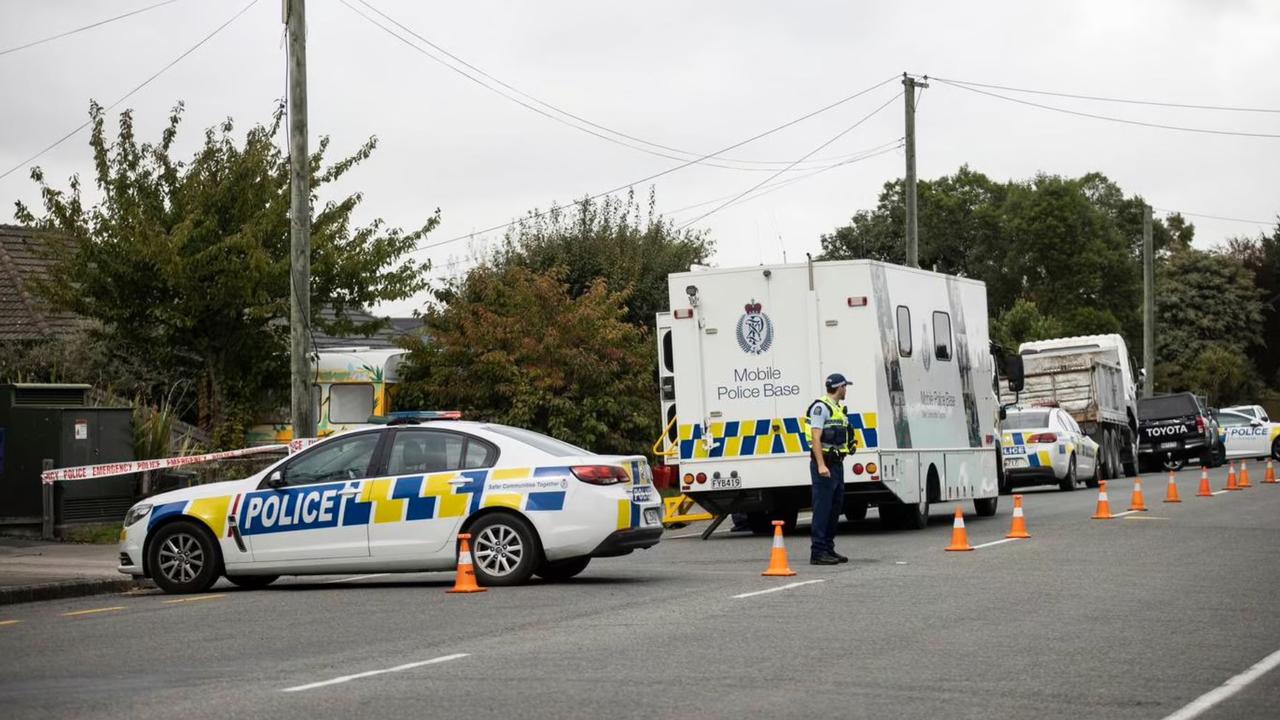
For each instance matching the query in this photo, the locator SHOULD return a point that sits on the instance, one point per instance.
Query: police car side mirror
(276, 480)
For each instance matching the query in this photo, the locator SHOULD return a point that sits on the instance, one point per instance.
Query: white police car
(1043, 445)
(393, 499)
(1247, 435)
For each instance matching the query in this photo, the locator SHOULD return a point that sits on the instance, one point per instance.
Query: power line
(675, 168)
(876, 151)
(91, 26)
(1216, 217)
(681, 154)
(758, 185)
(129, 94)
(1095, 116)
(1100, 98)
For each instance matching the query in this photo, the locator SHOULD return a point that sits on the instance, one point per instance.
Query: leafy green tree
(1261, 257)
(1222, 373)
(520, 347)
(1023, 323)
(1205, 301)
(185, 264)
(630, 247)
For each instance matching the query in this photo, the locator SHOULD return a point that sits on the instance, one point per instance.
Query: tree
(520, 347)
(1023, 323)
(615, 240)
(1261, 257)
(1208, 316)
(186, 263)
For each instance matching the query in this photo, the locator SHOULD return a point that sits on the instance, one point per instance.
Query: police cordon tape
(84, 472)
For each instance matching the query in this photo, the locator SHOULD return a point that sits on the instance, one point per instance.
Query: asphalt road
(1129, 618)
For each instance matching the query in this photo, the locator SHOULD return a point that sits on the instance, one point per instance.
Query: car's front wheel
(505, 549)
(562, 569)
(183, 558)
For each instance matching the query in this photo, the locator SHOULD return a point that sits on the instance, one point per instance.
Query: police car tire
(562, 569)
(531, 549)
(184, 534)
(252, 582)
(1068, 481)
(1275, 449)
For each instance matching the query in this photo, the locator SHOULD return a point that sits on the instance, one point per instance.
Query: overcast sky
(697, 76)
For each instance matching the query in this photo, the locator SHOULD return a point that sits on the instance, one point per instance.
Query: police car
(1043, 445)
(393, 498)
(1248, 436)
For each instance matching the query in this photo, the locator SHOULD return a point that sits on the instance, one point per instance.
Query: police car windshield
(1026, 421)
(546, 444)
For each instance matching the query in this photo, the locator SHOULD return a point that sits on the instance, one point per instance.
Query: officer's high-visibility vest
(836, 435)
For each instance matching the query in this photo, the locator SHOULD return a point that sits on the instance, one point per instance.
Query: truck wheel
(1068, 481)
(183, 558)
(915, 516)
(985, 507)
(1131, 467)
(1104, 454)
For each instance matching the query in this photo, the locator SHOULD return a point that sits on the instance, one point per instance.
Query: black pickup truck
(1173, 429)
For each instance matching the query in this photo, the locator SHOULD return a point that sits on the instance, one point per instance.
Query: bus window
(350, 402)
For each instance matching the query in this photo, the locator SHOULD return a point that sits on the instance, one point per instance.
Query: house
(24, 317)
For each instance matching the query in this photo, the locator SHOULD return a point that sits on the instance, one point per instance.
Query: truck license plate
(1169, 445)
(731, 483)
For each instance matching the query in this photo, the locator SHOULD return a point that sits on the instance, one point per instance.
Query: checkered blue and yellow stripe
(1039, 458)
(762, 437)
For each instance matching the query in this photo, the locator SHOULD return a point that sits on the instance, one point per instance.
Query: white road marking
(994, 542)
(371, 673)
(1126, 512)
(1226, 689)
(353, 579)
(1221, 492)
(788, 586)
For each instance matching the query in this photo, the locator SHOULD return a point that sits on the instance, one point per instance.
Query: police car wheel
(562, 569)
(252, 582)
(1275, 450)
(183, 558)
(504, 550)
(1068, 481)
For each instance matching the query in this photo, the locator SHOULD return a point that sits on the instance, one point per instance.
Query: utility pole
(1148, 304)
(909, 85)
(304, 423)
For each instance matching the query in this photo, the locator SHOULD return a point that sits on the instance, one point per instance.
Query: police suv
(393, 498)
(1248, 436)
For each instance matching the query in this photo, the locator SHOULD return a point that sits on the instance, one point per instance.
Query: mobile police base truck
(743, 353)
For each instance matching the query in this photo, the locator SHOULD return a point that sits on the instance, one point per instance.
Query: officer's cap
(835, 381)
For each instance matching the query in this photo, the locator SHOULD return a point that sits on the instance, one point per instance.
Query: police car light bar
(412, 417)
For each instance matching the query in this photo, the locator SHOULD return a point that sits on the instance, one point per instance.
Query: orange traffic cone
(1244, 475)
(1231, 477)
(1019, 529)
(466, 581)
(1138, 503)
(1104, 506)
(778, 566)
(1205, 490)
(1270, 478)
(1171, 492)
(959, 536)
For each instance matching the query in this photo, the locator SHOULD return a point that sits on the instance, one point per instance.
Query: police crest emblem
(755, 330)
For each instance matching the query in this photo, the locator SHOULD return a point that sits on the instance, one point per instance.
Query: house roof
(387, 337)
(23, 315)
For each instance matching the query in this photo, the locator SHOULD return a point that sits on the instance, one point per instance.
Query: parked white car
(1044, 445)
(393, 499)
(1247, 436)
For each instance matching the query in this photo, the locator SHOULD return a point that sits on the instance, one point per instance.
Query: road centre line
(353, 579)
(371, 673)
(994, 542)
(1226, 689)
(9, 622)
(788, 586)
(197, 598)
(93, 611)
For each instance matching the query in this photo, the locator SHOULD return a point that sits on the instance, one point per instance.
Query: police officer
(831, 439)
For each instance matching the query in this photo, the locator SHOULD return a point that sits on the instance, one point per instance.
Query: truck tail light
(872, 468)
(857, 468)
(1042, 438)
(600, 474)
(701, 478)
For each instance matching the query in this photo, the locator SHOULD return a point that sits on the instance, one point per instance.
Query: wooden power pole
(909, 85)
(304, 422)
(1148, 305)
